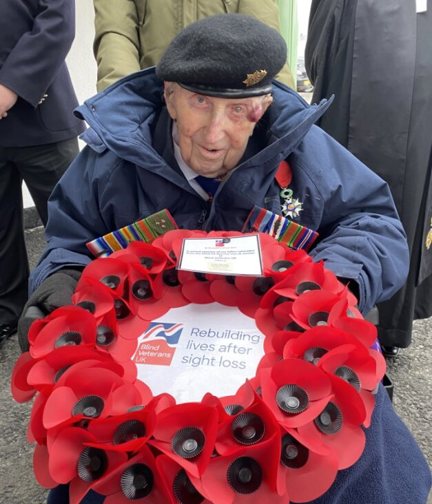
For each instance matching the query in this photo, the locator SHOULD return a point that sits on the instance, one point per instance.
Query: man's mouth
(211, 153)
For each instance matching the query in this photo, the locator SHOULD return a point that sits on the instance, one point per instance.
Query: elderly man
(203, 136)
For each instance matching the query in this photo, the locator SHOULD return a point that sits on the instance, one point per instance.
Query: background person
(133, 34)
(198, 114)
(376, 58)
(38, 132)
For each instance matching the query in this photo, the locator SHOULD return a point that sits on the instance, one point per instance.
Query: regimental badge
(291, 207)
(429, 237)
(254, 78)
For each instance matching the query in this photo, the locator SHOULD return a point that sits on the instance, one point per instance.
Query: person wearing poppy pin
(210, 114)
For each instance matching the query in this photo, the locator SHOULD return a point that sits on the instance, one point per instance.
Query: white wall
(303, 8)
(80, 60)
(82, 66)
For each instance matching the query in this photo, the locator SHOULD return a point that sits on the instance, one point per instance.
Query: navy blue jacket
(35, 37)
(128, 172)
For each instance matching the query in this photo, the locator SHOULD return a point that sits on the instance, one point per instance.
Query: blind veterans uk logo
(157, 344)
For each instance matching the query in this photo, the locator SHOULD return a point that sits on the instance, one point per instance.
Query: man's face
(213, 132)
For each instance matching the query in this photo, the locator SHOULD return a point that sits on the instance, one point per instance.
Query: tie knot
(209, 185)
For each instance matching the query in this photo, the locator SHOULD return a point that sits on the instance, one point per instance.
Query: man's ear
(259, 107)
(169, 99)
(268, 100)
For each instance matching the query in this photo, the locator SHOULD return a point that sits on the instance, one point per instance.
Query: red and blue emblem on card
(157, 345)
(169, 331)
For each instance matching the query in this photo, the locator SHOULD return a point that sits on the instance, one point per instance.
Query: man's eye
(239, 110)
(200, 100)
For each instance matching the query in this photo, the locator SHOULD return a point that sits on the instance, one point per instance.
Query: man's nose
(216, 127)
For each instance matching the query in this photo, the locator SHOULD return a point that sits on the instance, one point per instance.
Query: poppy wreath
(284, 434)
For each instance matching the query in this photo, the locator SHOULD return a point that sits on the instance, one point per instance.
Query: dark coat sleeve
(32, 65)
(361, 236)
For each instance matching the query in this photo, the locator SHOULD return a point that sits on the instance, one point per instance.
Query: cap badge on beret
(254, 78)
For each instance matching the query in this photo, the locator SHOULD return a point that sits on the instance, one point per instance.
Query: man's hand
(8, 99)
(54, 292)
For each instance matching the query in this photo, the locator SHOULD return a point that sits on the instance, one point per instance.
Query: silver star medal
(291, 207)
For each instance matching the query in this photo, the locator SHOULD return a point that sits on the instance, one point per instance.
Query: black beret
(228, 55)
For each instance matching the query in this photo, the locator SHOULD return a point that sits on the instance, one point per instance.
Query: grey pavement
(411, 373)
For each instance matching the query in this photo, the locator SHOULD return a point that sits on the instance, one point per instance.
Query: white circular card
(196, 349)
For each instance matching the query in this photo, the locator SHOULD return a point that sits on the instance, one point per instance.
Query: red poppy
(178, 482)
(362, 368)
(153, 259)
(72, 460)
(341, 316)
(307, 474)
(110, 272)
(252, 289)
(96, 298)
(304, 277)
(187, 433)
(367, 366)
(277, 341)
(88, 391)
(295, 390)
(169, 283)
(128, 432)
(313, 307)
(108, 309)
(138, 479)
(271, 320)
(338, 425)
(66, 326)
(247, 475)
(144, 295)
(46, 372)
(21, 390)
(345, 308)
(227, 406)
(315, 342)
(246, 427)
(36, 432)
(40, 467)
(278, 258)
(277, 263)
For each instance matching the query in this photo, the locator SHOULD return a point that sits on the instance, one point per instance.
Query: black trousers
(40, 167)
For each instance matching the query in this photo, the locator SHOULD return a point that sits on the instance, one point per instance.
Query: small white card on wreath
(234, 255)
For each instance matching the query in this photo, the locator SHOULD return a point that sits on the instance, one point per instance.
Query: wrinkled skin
(213, 133)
